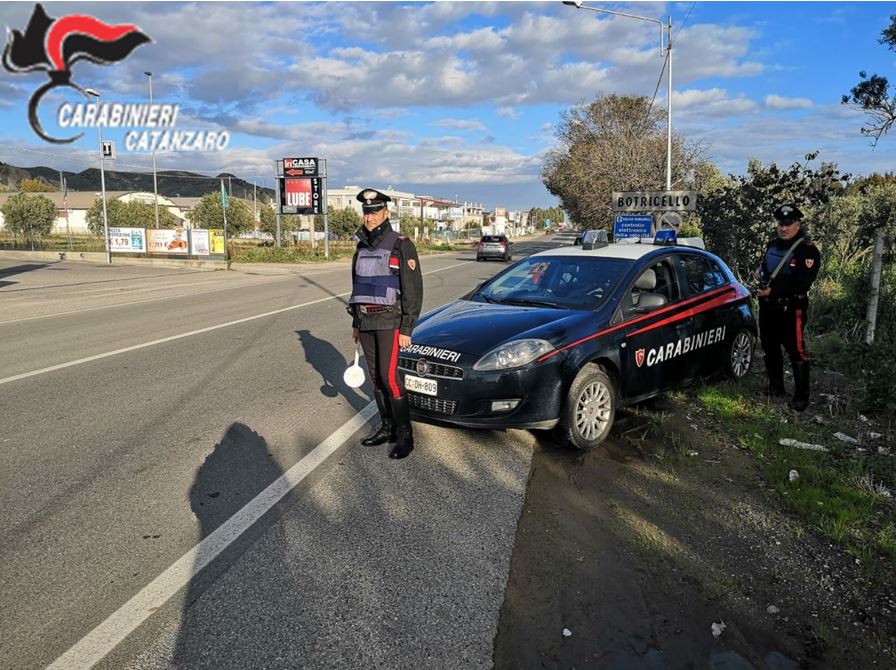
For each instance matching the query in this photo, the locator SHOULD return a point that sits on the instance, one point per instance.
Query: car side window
(659, 278)
(701, 274)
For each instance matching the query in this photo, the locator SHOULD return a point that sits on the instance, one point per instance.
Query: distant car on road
(494, 246)
(564, 337)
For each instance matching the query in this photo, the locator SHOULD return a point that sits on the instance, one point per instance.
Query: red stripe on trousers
(393, 368)
(799, 335)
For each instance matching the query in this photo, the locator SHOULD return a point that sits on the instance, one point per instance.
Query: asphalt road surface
(181, 484)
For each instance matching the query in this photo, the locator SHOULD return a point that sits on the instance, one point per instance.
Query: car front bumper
(467, 401)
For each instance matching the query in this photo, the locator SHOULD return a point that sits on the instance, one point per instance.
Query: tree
(538, 217)
(29, 217)
(737, 219)
(616, 143)
(136, 214)
(114, 214)
(267, 219)
(209, 214)
(872, 94)
(36, 186)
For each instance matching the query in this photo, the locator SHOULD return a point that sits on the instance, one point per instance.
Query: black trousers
(780, 327)
(381, 353)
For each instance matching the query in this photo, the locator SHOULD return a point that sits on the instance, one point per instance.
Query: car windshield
(556, 281)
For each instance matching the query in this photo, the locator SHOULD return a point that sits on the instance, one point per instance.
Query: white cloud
(775, 101)
(460, 124)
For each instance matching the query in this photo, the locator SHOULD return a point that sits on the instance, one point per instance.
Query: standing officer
(789, 266)
(387, 294)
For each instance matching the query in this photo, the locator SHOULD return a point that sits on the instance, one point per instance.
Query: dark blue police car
(564, 337)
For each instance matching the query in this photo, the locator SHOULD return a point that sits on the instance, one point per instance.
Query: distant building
(79, 202)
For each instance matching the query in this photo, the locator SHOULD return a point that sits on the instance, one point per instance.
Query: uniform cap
(372, 200)
(788, 214)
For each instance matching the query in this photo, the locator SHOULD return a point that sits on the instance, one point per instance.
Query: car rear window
(492, 238)
(569, 282)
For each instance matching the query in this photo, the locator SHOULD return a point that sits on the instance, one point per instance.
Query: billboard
(632, 225)
(216, 240)
(300, 167)
(199, 242)
(166, 241)
(300, 196)
(127, 240)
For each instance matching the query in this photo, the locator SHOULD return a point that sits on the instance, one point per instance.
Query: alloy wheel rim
(741, 355)
(593, 410)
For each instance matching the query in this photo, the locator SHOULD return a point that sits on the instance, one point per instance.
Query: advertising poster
(216, 240)
(199, 242)
(127, 240)
(167, 241)
(300, 196)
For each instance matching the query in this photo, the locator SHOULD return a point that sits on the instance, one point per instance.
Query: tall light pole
(664, 49)
(155, 184)
(99, 130)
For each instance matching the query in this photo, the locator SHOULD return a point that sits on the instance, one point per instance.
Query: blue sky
(460, 99)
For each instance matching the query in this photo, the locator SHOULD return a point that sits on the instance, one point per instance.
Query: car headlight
(513, 354)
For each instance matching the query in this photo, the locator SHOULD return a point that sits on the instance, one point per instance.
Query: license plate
(418, 385)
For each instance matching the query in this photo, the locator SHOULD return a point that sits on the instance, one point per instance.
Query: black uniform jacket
(410, 299)
(791, 286)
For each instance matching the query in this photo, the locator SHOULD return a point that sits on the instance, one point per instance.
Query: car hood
(476, 327)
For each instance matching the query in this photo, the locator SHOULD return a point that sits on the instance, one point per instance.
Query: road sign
(671, 220)
(632, 225)
(300, 167)
(300, 196)
(108, 150)
(654, 201)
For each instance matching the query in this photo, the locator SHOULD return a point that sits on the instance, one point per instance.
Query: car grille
(435, 369)
(434, 405)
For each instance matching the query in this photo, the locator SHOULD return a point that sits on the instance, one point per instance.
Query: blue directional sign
(632, 225)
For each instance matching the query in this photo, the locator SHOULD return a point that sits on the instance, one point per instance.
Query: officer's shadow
(330, 364)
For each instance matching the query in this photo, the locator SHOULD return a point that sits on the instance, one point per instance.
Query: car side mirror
(650, 302)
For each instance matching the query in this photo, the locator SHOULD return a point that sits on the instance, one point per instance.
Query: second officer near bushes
(387, 294)
(788, 268)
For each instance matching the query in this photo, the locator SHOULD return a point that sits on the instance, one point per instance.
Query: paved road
(143, 408)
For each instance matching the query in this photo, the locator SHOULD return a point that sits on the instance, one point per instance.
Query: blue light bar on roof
(665, 237)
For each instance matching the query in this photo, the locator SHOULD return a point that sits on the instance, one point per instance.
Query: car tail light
(481, 244)
(503, 245)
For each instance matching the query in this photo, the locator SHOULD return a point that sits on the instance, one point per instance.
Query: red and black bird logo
(54, 45)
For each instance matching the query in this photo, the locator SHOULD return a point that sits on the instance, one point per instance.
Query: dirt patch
(625, 557)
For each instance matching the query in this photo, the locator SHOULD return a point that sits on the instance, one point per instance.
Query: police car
(564, 337)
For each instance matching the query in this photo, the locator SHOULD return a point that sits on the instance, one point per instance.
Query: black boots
(800, 386)
(386, 431)
(775, 371)
(404, 436)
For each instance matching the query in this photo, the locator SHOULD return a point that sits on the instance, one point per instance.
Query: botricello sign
(654, 201)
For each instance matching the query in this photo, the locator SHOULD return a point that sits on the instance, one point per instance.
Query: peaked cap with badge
(372, 200)
(788, 214)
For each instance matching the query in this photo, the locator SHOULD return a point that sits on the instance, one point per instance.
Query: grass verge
(845, 493)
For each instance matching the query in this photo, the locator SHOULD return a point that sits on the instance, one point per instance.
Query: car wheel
(479, 259)
(506, 259)
(589, 409)
(740, 354)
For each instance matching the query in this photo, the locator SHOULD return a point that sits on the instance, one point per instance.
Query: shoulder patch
(412, 264)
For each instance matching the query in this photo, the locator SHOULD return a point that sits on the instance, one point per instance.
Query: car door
(713, 316)
(651, 355)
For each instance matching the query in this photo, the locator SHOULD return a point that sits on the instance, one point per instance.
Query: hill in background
(172, 183)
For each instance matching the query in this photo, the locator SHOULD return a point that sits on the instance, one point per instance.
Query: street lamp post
(155, 184)
(667, 29)
(99, 130)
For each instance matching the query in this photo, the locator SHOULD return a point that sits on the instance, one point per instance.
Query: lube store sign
(654, 201)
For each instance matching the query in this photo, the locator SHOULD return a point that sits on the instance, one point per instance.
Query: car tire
(589, 410)
(479, 259)
(506, 259)
(740, 354)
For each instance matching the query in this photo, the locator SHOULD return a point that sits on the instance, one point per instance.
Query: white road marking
(107, 354)
(110, 633)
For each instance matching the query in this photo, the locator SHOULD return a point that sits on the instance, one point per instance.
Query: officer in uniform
(387, 294)
(784, 301)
